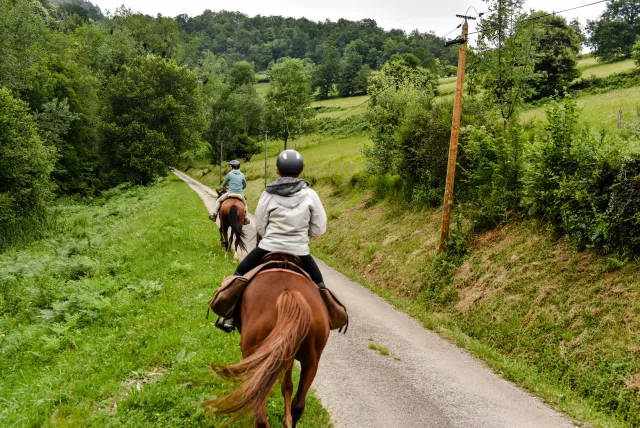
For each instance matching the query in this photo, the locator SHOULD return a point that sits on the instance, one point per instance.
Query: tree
(21, 30)
(25, 165)
(288, 98)
(396, 90)
(556, 55)
(152, 116)
(233, 108)
(241, 73)
(325, 74)
(635, 52)
(60, 88)
(352, 63)
(505, 47)
(612, 35)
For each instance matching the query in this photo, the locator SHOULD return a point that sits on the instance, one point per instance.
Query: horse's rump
(282, 317)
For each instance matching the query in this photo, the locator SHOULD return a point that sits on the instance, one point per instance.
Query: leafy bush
(623, 212)
(621, 80)
(25, 166)
(492, 173)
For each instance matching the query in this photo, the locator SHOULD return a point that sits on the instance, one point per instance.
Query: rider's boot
(246, 220)
(226, 324)
(213, 216)
(321, 285)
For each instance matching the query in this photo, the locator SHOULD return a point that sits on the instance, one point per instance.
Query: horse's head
(221, 192)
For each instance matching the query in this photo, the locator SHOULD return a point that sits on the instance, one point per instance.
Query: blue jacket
(236, 182)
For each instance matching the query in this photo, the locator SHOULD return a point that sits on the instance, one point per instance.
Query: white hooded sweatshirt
(288, 213)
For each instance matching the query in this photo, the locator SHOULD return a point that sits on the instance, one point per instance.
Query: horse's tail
(236, 228)
(260, 371)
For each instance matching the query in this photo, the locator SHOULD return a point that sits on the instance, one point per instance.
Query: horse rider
(237, 183)
(288, 213)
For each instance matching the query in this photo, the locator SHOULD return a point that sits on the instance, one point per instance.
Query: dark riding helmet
(290, 162)
(234, 164)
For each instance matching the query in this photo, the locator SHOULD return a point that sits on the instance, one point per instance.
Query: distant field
(447, 88)
(345, 106)
(587, 62)
(599, 109)
(324, 157)
(603, 70)
(263, 88)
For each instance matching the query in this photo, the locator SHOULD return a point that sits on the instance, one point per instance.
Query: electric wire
(557, 12)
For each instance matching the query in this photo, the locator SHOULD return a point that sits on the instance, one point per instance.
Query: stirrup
(225, 324)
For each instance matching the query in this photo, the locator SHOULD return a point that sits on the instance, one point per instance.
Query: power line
(445, 36)
(556, 12)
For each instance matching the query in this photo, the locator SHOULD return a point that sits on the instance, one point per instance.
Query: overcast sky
(425, 15)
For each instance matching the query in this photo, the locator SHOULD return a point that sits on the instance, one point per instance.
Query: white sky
(425, 15)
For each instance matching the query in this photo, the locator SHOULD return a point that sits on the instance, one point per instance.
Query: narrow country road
(425, 382)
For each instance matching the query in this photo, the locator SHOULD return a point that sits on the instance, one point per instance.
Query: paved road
(425, 382)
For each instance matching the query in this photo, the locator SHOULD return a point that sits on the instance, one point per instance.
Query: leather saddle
(228, 296)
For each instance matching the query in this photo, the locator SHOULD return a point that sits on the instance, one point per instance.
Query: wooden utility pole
(455, 134)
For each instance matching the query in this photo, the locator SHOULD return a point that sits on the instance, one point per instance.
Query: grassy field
(587, 63)
(344, 107)
(603, 70)
(103, 324)
(599, 110)
(326, 160)
(263, 88)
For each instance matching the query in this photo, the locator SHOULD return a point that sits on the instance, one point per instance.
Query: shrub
(25, 166)
(492, 173)
(623, 212)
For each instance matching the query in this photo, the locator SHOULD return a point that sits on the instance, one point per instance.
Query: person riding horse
(288, 213)
(237, 183)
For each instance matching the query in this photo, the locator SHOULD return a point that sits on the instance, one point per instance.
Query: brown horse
(232, 213)
(282, 319)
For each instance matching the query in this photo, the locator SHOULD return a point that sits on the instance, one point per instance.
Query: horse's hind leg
(307, 374)
(287, 390)
(261, 417)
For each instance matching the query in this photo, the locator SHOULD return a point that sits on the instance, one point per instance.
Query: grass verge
(560, 323)
(104, 323)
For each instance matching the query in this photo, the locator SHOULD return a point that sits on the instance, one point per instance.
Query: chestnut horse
(231, 214)
(282, 319)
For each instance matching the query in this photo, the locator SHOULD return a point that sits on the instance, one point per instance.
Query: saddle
(227, 297)
(236, 196)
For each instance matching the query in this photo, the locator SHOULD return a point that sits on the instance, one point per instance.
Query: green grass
(263, 88)
(344, 106)
(447, 88)
(103, 324)
(383, 350)
(327, 160)
(588, 62)
(603, 70)
(598, 110)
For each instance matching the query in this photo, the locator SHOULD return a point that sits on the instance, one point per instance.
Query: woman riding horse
(282, 315)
